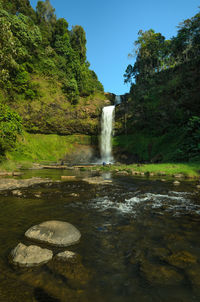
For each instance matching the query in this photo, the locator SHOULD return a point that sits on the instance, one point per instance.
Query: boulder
(124, 173)
(97, 180)
(32, 255)
(68, 264)
(68, 177)
(58, 233)
(178, 175)
(176, 183)
(68, 256)
(17, 193)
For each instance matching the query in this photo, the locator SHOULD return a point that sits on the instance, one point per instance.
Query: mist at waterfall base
(107, 122)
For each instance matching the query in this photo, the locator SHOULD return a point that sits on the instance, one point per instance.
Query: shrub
(10, 127)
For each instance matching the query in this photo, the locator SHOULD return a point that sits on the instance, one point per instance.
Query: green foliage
(78, 42)
(165, 94)
(71, 89)
(10, 127)
(190, 148)
(36, 42)
(19, 6)
(32, 148)
(154, 53)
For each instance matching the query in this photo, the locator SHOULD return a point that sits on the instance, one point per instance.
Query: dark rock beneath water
(160, 274)
(68, 264)
(58, 233)
(32, 255)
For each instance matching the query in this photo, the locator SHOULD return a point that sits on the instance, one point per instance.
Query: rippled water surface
(140, 241)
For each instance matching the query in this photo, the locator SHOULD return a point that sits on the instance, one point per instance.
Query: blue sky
(111, 28)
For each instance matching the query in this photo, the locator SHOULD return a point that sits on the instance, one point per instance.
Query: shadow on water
(140, 241)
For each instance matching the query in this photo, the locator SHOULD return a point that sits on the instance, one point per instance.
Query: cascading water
(106, 133)
(107, 121)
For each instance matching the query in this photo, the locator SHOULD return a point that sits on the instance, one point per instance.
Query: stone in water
(58, 233)
(30, 255)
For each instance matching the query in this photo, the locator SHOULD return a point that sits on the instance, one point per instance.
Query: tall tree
(78, 42)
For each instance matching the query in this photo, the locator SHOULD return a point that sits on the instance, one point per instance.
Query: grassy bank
(170, 169)
(40, 148)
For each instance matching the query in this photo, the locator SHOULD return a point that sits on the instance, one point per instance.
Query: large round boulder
(58, 233)
(32, 255)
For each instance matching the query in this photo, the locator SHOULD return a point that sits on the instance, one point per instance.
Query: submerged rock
(194, 275)
(32, 255)
(182, 259)
(68, 264)
(160, 274)
(58, 233)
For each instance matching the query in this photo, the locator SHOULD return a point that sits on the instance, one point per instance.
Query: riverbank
(176, 170)
(38, 149)
(184, 170)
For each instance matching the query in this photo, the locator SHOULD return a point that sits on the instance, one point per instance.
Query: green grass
(39, 148)
(187, 169)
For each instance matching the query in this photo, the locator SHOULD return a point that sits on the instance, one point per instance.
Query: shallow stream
(140, 240)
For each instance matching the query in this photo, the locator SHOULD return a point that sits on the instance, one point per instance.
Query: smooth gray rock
(58, 233)
(30, 255)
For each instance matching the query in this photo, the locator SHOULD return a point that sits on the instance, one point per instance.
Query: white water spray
(107, 121)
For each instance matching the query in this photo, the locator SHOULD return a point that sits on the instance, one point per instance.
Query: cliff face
(52, 113)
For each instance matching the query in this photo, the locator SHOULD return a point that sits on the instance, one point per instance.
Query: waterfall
(106, 133)
(107, 121)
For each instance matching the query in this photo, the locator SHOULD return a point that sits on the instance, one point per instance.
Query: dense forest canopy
(35, 44)
(165, 84)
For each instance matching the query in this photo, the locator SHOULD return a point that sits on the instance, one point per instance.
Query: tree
(186, 45)
(45, 12)
(78, 42)
(46, 19)
(152, 54)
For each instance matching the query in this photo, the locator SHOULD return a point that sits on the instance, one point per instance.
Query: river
(140, 240)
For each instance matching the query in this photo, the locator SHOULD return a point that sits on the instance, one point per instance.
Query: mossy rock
(73, 270)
